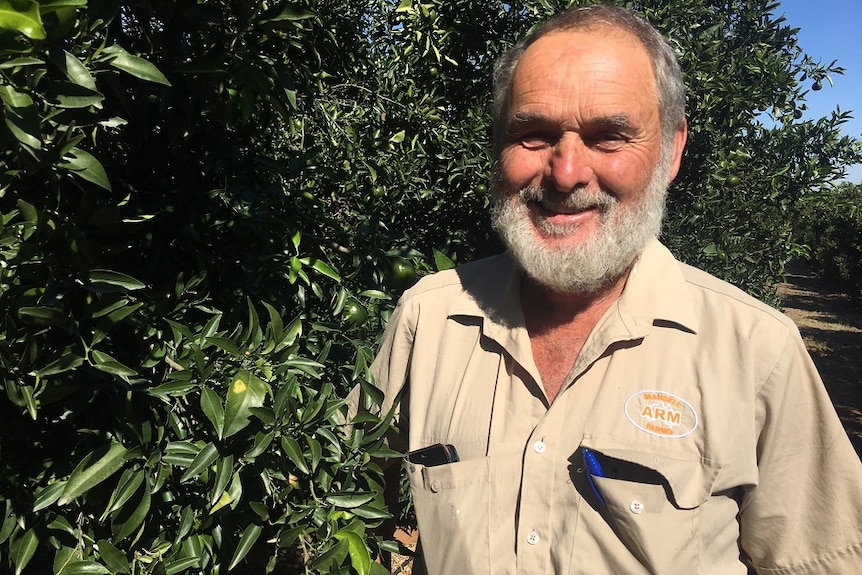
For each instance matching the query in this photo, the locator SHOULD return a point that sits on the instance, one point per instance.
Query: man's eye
(536, 140)
(607, 140)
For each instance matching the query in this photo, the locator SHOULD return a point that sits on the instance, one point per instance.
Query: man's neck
(544, 306)
(559, 325)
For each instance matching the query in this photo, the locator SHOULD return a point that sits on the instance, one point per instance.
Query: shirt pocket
(652, 502)
(452, 504)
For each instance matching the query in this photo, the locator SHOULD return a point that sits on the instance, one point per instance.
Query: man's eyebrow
(617, 121)
(521, 118)
(620, 121)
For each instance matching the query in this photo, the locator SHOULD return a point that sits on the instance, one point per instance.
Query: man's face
(582, 176)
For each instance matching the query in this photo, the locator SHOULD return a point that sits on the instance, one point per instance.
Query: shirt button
(636, 506)
(532, 537)
(435, 486)
(539, 447)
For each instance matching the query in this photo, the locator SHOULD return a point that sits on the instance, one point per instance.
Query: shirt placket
(539, 481)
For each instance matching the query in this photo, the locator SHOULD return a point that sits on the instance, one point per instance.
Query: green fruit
(732, 180)
(354, 314)
(401, 273)
(434, 72)
(378, 191)
(817, 86)
(482, 188)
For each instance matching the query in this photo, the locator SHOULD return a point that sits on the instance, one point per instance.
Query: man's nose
(569, 166)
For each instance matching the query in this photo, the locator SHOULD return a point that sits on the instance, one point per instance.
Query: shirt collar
(656, 291)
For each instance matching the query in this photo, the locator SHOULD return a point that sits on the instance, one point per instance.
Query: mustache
(577, 200)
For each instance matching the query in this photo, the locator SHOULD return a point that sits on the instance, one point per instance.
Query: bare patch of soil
(831, 325)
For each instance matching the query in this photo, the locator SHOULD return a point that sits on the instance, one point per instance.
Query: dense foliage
(831, 226)
(207, 210)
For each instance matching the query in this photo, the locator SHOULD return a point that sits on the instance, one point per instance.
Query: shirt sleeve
(805, 513)
(390, 369)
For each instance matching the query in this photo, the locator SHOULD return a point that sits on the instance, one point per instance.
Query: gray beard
(595, 264)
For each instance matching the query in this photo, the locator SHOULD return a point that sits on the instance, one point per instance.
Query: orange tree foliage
(208, 208)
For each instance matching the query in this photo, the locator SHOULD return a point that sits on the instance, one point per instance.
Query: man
(613, 411)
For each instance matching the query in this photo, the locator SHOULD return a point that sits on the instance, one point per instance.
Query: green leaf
(375, 294)
(44, 315)
(399, 137)
(74, 69)
(115, 559)
(173, 567)
(87, 167)
(48, 495)
(321, 267)
(371, 512)
(225, 344)
(12, 98)
(294, 452)
(85, 568)
(246, 542)
(224, 471)
(245, 391)
(291, 13)
(349, 500)
(442, 261)
(22, 16)
(93, 469)
(67, 362)
(201, 461)
(9, 521)
(106, 281)
(22, 550)
(129, 518)
(135, 65)
(212, 408)
(360, 558)
(16, 62)
(128, 484)
(261, 442)
(104, 362)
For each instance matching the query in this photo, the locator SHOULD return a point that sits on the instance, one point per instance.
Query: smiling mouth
(548, 209)
(548, 203)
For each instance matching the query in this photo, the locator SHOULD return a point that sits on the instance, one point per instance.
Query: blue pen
(594, 468)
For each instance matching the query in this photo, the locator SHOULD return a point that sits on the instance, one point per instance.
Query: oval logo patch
(661, 413)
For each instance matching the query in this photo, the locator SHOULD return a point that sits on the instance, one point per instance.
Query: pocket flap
(690, 480)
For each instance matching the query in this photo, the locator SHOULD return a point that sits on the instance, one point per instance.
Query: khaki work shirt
(719, 445)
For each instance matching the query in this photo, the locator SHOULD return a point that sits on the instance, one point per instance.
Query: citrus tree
(208, 209)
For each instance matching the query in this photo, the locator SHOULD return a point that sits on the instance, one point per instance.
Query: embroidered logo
(661, 413)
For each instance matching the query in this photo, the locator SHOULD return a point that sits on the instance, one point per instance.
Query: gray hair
(666, 70)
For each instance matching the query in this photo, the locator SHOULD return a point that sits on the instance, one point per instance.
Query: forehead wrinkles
(600, 65)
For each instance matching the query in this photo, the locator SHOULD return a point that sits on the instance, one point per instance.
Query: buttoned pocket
(452, 505)
(652, 502)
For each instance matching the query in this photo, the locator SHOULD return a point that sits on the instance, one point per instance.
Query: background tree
(207, 211)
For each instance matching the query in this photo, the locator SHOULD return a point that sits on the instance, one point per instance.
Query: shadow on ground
(831, 325)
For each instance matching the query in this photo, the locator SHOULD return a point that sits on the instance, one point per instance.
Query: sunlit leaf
(93, 469)
(360, 558)
(244, 392)
(22, 16)
(135, 65)
(86, 166)
(202, 461)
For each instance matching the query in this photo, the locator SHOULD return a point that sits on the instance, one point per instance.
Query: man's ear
(680, 136)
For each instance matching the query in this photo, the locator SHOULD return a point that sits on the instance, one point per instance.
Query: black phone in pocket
(433, 455)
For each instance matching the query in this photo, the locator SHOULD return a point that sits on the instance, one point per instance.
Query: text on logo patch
(661, 413)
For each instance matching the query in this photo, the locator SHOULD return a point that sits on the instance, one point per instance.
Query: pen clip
(594, 469)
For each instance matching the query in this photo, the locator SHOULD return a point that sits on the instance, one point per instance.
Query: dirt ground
(832, 328)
